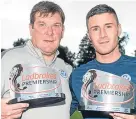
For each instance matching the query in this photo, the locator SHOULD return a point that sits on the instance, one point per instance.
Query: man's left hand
(122, 116)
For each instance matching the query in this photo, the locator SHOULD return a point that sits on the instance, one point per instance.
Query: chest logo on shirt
(126, 76)
(63, 74)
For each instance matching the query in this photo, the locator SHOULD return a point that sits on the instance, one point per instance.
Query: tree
(135, 53)
(19, 42)
(123, 39)
(3, 49)
(86, 51)
(66, 55)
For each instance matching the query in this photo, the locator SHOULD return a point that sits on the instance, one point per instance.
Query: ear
(63, 29)
(88, 35)
(31, 29)
(119, 29)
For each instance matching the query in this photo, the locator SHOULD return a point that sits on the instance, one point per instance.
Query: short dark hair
(99, 9)
(44, 8)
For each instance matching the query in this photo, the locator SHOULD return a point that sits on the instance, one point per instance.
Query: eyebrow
(45, 23)
(109, 24)
(40, 22)
(94, 27)
(98, 26)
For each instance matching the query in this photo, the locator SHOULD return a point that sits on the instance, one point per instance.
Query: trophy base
(98, 114)
(100, 111)
(39, 102)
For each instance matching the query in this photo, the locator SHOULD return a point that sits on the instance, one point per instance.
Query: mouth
(48, 41)
(104, 42)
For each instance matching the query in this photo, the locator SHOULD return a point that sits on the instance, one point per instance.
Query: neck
(108, 58)
(48, 58)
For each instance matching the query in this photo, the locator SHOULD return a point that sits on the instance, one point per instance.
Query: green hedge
(76, 115)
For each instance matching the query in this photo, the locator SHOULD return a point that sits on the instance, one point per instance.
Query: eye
(95, 29)
(57, 25)
(41, 24)
(108, 26)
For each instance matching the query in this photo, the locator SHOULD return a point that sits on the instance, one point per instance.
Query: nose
(49, 30)
(103, 33)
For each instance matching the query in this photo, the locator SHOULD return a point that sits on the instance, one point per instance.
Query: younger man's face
(103, 32)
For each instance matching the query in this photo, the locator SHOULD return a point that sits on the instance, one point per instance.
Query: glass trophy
(37, 85)
(105, 92)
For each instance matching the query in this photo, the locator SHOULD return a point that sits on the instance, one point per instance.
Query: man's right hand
(12, 111)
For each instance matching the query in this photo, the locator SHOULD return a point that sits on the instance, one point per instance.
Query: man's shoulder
(129, 59)
(64, 65)
(13, 51)
(62, 62)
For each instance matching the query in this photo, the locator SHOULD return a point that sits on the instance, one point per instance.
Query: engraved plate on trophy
(102, 91)
(37, 85)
